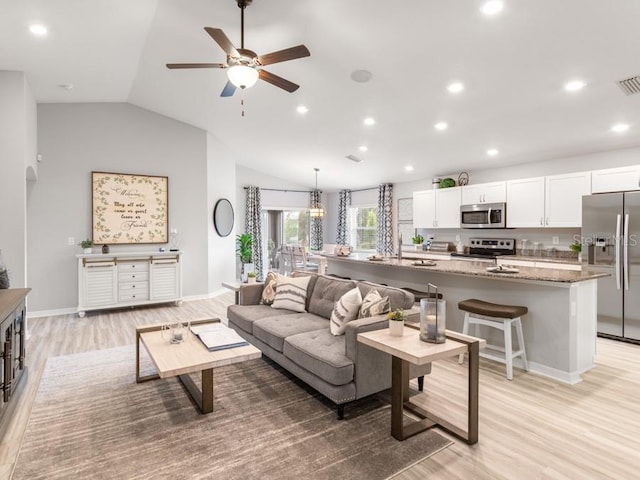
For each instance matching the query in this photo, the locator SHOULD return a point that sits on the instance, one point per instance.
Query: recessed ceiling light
(574, 85)
(409, 168)
(455, 87)
(361, 76)
(369, 121)
(38, 29)
(620, 127)
(441, 126)
(492, 152)
(301, 109)
(66, 86)
(492, 7)
(363, 148)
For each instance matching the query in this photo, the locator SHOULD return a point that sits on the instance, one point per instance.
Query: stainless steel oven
(483, 215)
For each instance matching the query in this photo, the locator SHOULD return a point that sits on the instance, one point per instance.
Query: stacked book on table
(217, 336)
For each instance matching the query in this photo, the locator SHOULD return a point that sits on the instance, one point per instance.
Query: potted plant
(251, 277)
(396, 323)
(418, 240)
(87, 245)
(244, 244)
(576, 247)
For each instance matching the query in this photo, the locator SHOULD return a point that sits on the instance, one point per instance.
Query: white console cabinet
(128, 279)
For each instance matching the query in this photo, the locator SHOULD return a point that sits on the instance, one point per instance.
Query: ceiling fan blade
(196, 65)
(222, 40)
(228, 90)
(284, 55)
(278, 81)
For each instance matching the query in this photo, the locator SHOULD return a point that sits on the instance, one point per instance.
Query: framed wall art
(129, 209)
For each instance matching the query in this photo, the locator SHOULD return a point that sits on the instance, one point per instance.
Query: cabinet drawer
(141, 287)
(133, 266)
(133, 296)
(135, 276)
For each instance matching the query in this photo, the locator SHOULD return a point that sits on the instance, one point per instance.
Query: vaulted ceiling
(514, 66)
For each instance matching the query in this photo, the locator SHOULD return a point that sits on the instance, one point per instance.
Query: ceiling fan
(245, 66)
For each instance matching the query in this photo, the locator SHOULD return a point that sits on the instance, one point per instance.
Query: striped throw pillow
(373, 304)
(345, 310)
(291, 293)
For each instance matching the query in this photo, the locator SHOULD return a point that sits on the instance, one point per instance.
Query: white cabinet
(424, 209)
(615, 179)
(525, 202)
(554, 201)
(438, 208)
(563, 199)
(128, 279)
(495, 192)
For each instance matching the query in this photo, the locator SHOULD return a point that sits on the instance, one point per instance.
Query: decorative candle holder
(433, 316)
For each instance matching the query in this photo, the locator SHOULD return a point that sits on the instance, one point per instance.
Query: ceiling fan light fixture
(316, 210)
(242, 76)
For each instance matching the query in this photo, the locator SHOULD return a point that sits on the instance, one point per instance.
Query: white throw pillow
(291, 293)
(345, 310)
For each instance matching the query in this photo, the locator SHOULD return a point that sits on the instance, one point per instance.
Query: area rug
(90, 420)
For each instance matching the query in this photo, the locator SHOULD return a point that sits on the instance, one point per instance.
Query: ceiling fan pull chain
(242, 101)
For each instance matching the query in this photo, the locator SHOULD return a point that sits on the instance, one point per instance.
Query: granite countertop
(479, 269)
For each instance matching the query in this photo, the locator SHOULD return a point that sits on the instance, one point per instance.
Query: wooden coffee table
(190, 356)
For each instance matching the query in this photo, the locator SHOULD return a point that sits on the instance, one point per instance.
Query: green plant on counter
(397, 315)
(418, 240)
(576, 247)
(251, 275)
(86, 243)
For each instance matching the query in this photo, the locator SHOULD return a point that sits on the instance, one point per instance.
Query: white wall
(221, 179)
(76, 139)
(17, 144)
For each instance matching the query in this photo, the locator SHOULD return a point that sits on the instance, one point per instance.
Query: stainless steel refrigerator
(610, 235)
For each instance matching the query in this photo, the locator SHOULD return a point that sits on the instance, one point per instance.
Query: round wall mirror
(223, 217)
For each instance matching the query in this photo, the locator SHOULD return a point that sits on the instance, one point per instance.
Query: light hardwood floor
(530, 428)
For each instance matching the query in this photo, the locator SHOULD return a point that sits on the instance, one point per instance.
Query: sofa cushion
(345, 310)
(322, 354)
(243, 316)
(274, 330)
(373, 304)
(398, 298)
(269, 290)
(326, 293)
(291, 293)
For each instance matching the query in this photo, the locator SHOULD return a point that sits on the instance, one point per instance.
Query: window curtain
(344, 202)
(385, 219)
(315, 235)
(253, 226)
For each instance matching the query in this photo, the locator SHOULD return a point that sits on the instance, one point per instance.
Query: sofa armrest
(361, 325)
(250, 293)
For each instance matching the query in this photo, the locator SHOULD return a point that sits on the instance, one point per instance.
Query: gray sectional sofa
(339, 367)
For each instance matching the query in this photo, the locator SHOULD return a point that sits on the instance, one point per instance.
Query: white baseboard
(565, 377)
(69, 310)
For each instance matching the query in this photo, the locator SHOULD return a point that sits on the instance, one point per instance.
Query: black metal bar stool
(501, 317)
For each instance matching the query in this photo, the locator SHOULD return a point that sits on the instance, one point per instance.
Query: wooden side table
(410, 349)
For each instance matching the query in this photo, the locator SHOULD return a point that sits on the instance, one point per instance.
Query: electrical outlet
(555, 240)
(71, 241)
(457, 238)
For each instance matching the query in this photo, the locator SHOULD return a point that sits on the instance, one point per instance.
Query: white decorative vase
(396, 328)
(251, 279)
(418, 246)
(88, 250)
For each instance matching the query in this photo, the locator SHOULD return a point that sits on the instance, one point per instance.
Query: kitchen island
(559, 330)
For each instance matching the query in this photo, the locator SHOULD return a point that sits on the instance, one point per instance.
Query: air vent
(353, 158)
(630, 85)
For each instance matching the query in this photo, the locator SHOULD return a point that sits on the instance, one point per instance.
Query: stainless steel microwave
(483, 215)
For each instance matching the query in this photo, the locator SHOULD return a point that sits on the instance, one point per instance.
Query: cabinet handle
(547, 221)
(542, 221)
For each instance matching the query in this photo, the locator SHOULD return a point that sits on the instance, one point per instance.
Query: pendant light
(316, 210)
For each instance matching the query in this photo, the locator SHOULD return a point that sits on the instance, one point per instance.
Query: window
(363, 225)
(295, 227)
(282, 226)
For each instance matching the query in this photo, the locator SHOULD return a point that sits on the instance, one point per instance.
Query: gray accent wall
(76, 139)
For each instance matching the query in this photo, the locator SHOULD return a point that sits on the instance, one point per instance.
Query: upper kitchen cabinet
(553, 201)
(438, 208)
(525, 202)
(495, 192)
(615, 179)
(563, 199)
